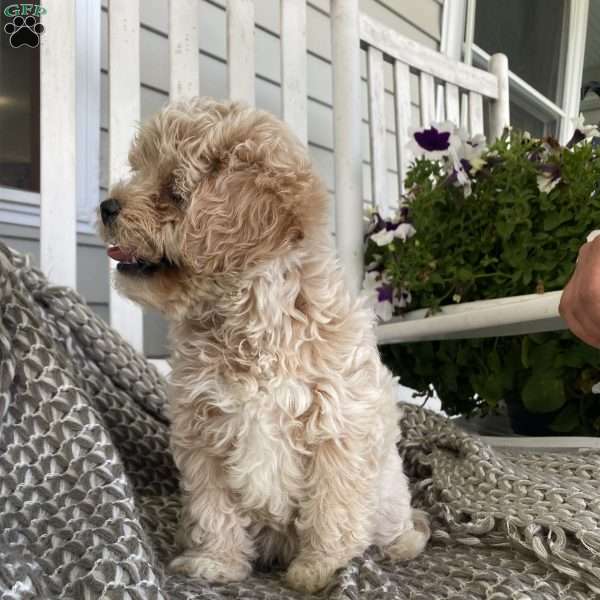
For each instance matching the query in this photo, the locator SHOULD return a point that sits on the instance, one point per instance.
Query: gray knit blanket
(89, 492)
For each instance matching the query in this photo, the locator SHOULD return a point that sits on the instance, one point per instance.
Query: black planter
(524, 422)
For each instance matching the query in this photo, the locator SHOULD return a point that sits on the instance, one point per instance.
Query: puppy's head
(215, 189)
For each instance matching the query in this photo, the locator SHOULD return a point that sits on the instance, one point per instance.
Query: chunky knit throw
(89, 493)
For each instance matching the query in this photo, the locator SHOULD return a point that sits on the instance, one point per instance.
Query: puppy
(283, 422)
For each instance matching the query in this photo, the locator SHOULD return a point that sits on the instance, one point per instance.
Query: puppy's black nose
(109, 209)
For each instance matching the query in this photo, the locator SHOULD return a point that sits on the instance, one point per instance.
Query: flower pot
(524, 422)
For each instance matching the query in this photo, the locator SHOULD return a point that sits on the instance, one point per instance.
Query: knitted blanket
(89, 493)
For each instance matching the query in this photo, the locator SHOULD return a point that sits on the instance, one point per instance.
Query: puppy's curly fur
(283, 421)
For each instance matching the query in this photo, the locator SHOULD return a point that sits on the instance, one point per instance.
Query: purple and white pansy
(401, 231)
(378, 286)
(382, 295)
(548, 177)
(434, 142)
(460, 155)
(587, 131)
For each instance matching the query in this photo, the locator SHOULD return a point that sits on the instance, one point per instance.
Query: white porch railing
(447, 89)
(453, 91)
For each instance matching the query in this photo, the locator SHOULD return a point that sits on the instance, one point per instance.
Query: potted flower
(483, 222)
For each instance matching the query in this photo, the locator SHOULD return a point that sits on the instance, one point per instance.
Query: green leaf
(553, 220)
(566, 420)
(494, 362)
(543, 357)
(580, 355)
(464, 275)
(525, 351)
(543, 392)
(505, 228)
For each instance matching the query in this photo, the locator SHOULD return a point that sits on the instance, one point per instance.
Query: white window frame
(458, 22)
(22, 207)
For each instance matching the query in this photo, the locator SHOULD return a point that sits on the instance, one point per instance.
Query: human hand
(580, 300)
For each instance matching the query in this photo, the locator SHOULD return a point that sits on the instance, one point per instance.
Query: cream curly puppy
(284, 426)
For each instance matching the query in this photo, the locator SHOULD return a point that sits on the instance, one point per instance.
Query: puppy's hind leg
(214, 536)
(402, 532)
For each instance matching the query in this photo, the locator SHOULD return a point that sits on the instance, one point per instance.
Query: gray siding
(420, 21)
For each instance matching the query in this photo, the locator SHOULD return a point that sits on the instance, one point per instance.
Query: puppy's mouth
(130, 264)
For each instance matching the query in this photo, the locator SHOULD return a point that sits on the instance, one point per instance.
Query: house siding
(420, 21)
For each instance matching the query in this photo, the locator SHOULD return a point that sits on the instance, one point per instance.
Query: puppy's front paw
(309, 576)
(213, 569)
(411, 543)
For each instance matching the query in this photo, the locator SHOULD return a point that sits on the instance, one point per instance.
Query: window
(530, 34)
(19, 113)
(544, 41)
(590, 104)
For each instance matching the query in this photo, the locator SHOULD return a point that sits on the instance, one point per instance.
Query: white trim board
(542, 443)
(484, 318)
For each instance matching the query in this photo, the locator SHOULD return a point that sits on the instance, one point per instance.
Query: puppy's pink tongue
(116, 253)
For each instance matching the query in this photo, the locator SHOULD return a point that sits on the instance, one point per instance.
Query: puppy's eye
(173, 194)
(176, 197)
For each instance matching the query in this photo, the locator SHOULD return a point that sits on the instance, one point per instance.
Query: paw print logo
(24, 32)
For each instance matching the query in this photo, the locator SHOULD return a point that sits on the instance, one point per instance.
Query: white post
(88, 20)
(124, 111)
(347, 126)
(293, 66)
(499, 108)
(184, 49)
(240, 50)
(578, 18)
(58, 137)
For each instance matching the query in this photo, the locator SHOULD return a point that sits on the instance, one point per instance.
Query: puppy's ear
(232, 224)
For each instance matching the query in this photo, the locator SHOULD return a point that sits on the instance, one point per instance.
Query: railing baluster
(240, 50)
(475, 113)
(464, 111)
(440, 105)
(376, 86)
(403, 118)
(427, 90)
(452, 104)
(184, 49)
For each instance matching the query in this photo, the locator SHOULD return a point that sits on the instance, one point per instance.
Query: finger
(583, 306)
(584, 326)
(582, 332)
(566, 301)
